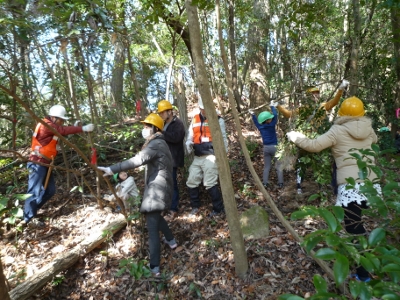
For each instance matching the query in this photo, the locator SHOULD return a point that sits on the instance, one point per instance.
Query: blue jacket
(268, 132)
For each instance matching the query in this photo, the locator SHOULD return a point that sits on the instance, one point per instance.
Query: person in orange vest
(44, 150)
(204, 165)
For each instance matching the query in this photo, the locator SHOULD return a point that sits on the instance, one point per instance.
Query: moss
(255, 223)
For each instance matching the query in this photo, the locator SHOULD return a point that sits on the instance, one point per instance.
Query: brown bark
(395, 17)
(65, 260)
(232, 50)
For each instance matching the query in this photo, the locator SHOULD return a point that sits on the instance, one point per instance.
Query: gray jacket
(158, 181)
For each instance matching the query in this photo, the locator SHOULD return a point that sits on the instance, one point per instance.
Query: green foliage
(194, 289)
(58, 279)
(378, 253)
(252, 146)
(9, 210)
(135, 269)
(247, 190)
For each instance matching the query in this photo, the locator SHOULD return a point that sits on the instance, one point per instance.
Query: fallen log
(66, 260)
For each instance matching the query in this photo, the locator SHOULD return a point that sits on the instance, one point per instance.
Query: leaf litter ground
(202, 265)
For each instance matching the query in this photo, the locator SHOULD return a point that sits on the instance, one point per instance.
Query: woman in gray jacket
(350, 131)
(157, 196)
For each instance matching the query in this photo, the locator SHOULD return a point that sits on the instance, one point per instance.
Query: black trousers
(354, 225)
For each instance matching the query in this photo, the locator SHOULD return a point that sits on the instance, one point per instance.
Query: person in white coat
(351, 130)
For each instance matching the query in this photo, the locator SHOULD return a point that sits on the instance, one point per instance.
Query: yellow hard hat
(313, 90)
(155, 120)
(352, 107)
(163, 105)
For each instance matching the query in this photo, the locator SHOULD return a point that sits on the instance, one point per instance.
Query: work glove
(77, 123)
(107, 171)
(189, 146)
(294, 135)
(343, 85)
(273, 103)
(251, 111)
(88, 128)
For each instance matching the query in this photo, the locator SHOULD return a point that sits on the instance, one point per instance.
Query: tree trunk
(65, 260)
(64, 44)
(395, 17)
(118, 77)
(355, 45)
(232, 50)
(3, 284)
(239, 251)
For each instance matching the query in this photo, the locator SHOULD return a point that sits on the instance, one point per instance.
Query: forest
(110, 63)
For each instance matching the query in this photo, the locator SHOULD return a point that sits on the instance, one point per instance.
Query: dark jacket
(174, 136)
(268, 131)
(158, 181)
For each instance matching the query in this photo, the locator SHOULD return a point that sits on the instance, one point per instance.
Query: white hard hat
(58, 111)
(201, 106)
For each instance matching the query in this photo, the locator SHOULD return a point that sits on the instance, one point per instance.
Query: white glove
(251, 111)
(344, 84)
(107, 171)
(273, 103)
(88, 128)
(77, 122)
(189, 147)
(294, 135)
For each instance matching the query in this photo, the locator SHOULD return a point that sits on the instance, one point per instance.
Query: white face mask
(146, 132)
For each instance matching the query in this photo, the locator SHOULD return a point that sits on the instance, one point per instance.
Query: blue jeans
(155, 223)
(37, 177)
(175, 196)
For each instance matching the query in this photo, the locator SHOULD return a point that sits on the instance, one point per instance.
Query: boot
(218, 204)
(194, 197)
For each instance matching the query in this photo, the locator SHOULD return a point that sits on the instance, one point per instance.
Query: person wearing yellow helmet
(317, 115)
(351, 130)
(266, 124)
(158, 188)
(174, 134)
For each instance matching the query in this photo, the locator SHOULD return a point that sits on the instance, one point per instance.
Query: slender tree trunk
(118, 76)
(355, 45)
(63, 49)
(232, 50)
(395, 17)
(133, 75)
(239, 251)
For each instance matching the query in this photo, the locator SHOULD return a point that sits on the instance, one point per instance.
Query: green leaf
(326, 254)
(339, 212)
(310, 243)
(22, 197)
(332, 240)
(341, 268)
(329, 218)
(367, 264)
(355, 288)
(376, 236)
(320, 283)
(289, 297)
(391, 268)
(74, 188)
(313, 197)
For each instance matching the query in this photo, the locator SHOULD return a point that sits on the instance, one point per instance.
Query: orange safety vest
(48, 151)
(201, 130)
